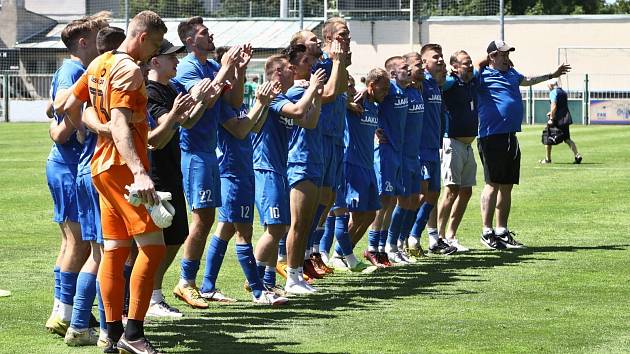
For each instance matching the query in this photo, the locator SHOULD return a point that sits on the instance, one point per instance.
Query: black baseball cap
(168, 48)
(499, 46)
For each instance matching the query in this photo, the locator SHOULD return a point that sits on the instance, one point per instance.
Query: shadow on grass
(248, 329)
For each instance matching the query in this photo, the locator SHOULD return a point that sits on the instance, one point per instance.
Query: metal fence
(27, 95)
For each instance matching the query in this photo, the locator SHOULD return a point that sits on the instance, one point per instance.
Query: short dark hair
(186, 28)
(292, 52)
(109, 38)
(83, 27)
(430, 46)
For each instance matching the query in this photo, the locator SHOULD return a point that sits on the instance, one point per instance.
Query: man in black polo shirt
(459, 93)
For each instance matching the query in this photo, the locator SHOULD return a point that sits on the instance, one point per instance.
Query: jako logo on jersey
(415, 108)
(435, 98)
(401, 102)
(388, 186)
(369, 120)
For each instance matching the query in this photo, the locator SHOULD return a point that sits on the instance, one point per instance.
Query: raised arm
(240, 128)
(299, 109)
(235, 96)
(332, 87)
(533, 80)
(168, 123)
(205, 93)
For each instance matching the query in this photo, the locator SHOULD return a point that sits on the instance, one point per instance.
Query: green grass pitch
(567, 293)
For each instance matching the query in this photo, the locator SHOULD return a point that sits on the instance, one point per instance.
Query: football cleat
(407, 257)
(319, 262)
(190, 295)
(298, 288)
(217, 296)
(311, 271)
(383, 261)
(140, 346)
(75, 338)
(58, 326)
(396, 258)
(371, 257)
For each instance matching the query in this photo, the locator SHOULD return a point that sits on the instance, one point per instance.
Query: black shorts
(566, 132)
(501, 158)
(178, 231)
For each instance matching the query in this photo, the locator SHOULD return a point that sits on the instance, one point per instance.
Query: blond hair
(146, 21)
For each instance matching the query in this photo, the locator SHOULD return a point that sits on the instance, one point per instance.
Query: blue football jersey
(235, 155)
(305, 145)
(393, 115)
(359, 135)
(271, 144)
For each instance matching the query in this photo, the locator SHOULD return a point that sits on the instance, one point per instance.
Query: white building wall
(536, 38)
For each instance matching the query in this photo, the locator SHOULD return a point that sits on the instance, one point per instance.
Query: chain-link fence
(31, 48)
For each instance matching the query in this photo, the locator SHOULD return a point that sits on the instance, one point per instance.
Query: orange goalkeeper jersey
(114, 80)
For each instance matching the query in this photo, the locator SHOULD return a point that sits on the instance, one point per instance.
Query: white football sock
(186, 282)
(433, 236)
(501, 230)
(315, 249)
(66, 312)
(325, 257)
(351, 260)
(413, 242)
(293, 276)
(156, 296)
(487, 230)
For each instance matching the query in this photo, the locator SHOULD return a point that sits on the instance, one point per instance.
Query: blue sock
(83, 300)
(68, 287)
(269, 279)
(260, 269)
(312, 236)
(214, 260)
(282, 247)
(245, 255)
(421, 220)
(189, 269)
(395, 226)
(382, 240)
(409, 217)
(342, 236)
(373, 238)
(327, 237)
(127, 275)
(56, 272)
(101, 309)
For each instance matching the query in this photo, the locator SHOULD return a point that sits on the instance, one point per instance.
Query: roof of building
(261, 33)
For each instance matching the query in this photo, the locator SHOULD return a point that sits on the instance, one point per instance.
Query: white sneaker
(300, 287)
(217, 296)
(396, 257)
(75, 338)
(455, 243)
(162, 309)
(270, 298)
(339, 264)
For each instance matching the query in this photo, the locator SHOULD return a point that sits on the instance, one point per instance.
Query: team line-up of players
(318, 158)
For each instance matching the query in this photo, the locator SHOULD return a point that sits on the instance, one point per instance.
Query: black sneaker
(443, 248)
(490, 240)
(507, 239)
(578, 159)
(140, 346)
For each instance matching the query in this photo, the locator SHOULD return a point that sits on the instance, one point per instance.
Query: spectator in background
(560, 117)
(249, 94)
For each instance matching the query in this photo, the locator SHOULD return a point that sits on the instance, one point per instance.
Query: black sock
(115, 330)
(134, 329)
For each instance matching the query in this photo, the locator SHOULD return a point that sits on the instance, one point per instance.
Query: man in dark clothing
(560, 117)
